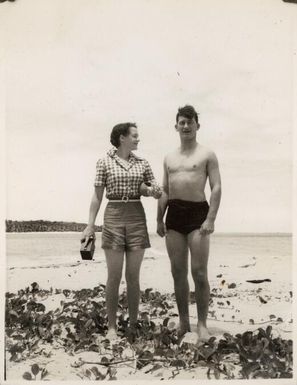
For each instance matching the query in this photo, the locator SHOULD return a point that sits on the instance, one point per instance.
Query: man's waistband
(189, 204)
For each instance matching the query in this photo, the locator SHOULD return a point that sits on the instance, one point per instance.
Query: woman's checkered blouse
(122, 179)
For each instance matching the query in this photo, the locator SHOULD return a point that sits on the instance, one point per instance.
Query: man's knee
(199, 275)
(179, 273)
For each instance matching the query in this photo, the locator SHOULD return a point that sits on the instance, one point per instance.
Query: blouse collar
(112, 153)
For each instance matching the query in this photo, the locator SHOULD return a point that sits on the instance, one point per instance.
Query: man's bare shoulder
(171, 155)
(207, 152)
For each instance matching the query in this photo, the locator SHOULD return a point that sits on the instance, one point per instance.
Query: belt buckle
(125, 198)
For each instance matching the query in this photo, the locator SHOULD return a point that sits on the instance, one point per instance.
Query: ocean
(40, 249)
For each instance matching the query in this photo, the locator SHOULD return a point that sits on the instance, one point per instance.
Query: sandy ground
(237, 305)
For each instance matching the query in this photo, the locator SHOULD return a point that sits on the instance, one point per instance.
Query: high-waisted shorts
(124, 227)
(185, 216)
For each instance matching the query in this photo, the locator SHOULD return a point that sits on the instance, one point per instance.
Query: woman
(125, 177)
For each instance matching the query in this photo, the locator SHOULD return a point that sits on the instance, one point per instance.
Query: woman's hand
(89, 232)
(154, 190)
(157, 190)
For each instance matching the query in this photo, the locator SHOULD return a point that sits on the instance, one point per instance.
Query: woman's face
(131, 140)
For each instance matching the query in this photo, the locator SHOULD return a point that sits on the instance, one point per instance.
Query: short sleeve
(148, 175)
(100, 178)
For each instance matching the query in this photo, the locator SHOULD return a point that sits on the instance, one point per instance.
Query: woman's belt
(124, 199)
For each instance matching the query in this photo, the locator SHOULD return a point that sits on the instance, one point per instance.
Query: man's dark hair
(188, 112)
(118, 130)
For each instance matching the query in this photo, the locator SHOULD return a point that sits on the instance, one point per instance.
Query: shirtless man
(189, 219)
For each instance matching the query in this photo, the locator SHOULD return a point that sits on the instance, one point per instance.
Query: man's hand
(207, 227)
(161, 229)
(88, 233)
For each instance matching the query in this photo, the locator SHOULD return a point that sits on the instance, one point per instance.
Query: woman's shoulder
(138, 158)
(106, 157)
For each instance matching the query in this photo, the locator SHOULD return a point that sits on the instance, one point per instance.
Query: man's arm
(162, 203)
(94, 208)
(215, 197)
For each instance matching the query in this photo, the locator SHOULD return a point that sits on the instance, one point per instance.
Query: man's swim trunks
(185, 216)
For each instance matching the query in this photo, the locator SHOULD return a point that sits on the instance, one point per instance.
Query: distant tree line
(40, 225)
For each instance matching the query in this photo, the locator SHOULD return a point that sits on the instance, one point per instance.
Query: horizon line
(219, 233)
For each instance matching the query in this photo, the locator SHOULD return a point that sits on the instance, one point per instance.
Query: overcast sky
(74, 69)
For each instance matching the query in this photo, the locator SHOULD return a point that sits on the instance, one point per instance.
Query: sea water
(40, 249)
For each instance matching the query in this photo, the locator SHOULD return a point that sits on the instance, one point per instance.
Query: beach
(250, 278)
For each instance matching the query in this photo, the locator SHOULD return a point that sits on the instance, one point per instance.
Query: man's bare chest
(187, 164)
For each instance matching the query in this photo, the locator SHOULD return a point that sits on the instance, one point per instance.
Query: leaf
(232, 286)
(147, 291)
(35, 369)
(99, 376)
(206, 352)
(88, 323)
(165, 322)
(178, 363)
(286, 375)
(211, 340)
(44, 373)
(268, 331)
(216, 373)
(250, 368)
(35, 286)
(146, 355)
(104, 360)
(27, 376)
(169, 353)
(112, 373)
(246, 337)
(156, 367)
(262, 300)
(13, 313)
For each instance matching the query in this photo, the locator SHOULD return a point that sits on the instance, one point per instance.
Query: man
(189, 219)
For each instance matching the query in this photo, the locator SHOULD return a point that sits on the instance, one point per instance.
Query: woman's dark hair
(188, 112)
(118, 130)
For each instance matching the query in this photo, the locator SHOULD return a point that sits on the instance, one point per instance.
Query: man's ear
(198, 126)
(175, 126)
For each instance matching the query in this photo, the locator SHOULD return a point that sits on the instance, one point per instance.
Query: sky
(74, 69)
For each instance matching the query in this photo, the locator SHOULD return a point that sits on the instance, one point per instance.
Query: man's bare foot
(203, 333)
(182, 329)
(111, 335)
(132, 332)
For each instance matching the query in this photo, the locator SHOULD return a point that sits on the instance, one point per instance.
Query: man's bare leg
(133, 263)
(177, 249)
(199, 247)
(114, 261)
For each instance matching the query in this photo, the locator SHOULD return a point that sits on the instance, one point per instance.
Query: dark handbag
(87, 249)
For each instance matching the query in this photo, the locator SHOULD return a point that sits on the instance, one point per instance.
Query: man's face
(186, 127)
(131, 140)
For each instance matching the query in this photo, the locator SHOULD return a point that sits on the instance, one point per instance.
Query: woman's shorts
(124, 227)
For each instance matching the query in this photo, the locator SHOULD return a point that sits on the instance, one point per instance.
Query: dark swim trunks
(185, 216)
